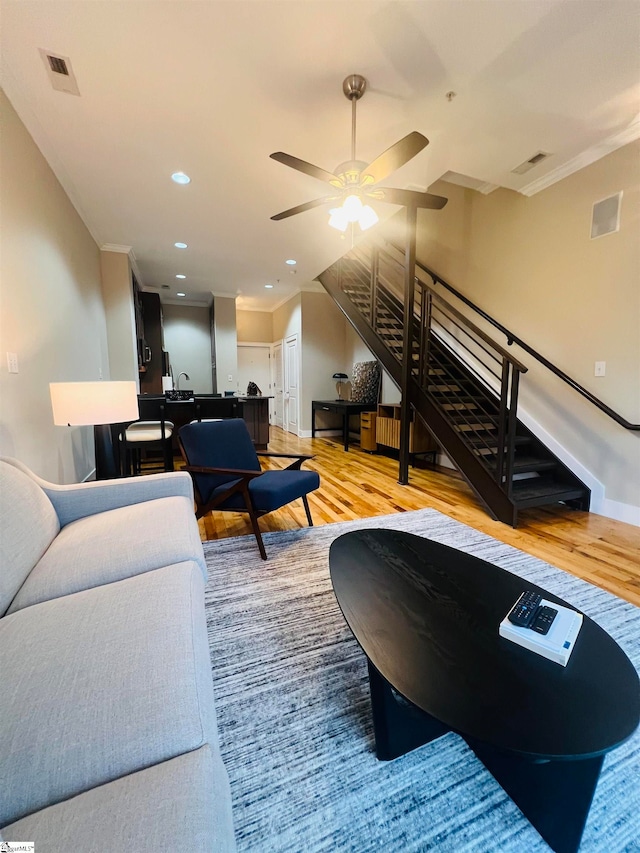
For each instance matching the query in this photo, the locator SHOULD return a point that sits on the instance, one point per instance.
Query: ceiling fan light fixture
(368, 217)
(357, 180)
(338, 219)
(352, 208)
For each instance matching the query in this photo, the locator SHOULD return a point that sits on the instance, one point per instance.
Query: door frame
(269, 346)
(274, 383)
(285, 421)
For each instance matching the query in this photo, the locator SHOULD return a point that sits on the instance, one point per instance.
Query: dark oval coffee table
(427, 618)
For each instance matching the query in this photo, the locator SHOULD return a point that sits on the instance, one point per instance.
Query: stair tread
(532, 463)
(540, 490)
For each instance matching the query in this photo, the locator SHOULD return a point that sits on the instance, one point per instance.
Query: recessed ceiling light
(180, 276)
(181, 294)
(291, 262)
(269, 286)
(180, 245)
(180, 178)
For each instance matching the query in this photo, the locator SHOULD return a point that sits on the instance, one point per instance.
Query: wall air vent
(605, 218)
(530, 163)
(60, 72)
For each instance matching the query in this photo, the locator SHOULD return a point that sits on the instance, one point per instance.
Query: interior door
(277, 383)
(254, 365)
(291, 385)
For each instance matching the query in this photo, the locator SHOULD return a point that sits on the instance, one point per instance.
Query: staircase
(463, 384)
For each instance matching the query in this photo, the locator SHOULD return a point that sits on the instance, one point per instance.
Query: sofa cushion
(113, 545)
(102, 683)
(181, 804)
(28, 524)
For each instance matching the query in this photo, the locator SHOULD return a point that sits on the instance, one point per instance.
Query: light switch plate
(12, 362)
(600, 368)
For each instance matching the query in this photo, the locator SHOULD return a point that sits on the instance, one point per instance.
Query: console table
(427, 616)
(344, 408)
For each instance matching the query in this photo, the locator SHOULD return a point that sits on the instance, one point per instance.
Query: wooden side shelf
(388, 430)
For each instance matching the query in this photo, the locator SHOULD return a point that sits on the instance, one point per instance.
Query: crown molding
(227, 295)
(116, 247)
(586, 158)
(487, 188)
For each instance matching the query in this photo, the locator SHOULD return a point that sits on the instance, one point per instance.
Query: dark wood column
(409, 285)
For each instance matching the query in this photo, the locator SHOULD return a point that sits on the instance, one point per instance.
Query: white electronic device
(557, 644)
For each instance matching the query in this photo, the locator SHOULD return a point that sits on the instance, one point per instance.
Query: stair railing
(423, 271)
(372, 278)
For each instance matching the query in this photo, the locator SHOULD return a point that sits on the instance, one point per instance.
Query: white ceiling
(212, 88)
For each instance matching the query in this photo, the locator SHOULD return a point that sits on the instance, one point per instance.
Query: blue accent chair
(227, 476)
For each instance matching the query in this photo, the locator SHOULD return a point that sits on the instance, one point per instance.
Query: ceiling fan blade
(410, 198)
(300, 208)
(394, 157)
(307, 168)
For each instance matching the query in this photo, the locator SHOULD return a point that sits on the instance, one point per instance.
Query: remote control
(543, 619)
(524, 609)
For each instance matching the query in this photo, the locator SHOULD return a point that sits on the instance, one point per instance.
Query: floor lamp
(96, 404)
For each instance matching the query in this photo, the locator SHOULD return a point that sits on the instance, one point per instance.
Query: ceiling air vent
(60, 72)
(530, 163)
(58, 65)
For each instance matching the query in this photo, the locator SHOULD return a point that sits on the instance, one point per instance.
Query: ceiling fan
(355, 180)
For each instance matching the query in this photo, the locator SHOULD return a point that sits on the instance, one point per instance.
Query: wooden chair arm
(295, 465)
(286, 455)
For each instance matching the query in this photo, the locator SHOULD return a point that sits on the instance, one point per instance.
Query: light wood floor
(361, 485)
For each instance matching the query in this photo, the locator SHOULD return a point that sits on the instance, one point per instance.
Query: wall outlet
(12, 362)
(230, 377)
(600, 368)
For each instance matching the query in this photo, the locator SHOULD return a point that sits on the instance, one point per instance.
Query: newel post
(407, 349)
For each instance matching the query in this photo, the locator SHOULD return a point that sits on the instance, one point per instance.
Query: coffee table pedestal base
(554, 796)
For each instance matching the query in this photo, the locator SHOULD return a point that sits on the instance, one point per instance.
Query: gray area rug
(293, 708)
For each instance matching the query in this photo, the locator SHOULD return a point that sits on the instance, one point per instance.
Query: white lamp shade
(91, 403)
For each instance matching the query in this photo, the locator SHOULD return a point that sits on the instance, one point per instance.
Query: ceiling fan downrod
(354, 87)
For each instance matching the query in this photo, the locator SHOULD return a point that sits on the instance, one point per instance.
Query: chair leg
(168, 457)
(307, 510)
(257, 534)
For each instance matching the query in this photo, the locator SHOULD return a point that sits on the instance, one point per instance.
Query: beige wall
(226, 344)
(323, 343)
(254, 326)
(51, 311)
(117, 295)
(287, 319)
(531, 264)
(187, 339)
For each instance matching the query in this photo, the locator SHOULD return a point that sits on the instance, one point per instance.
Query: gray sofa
(108, 734)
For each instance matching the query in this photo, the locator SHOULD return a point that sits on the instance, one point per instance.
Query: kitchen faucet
(186, 376)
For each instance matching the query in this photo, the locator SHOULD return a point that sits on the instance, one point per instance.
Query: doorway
(254, 365)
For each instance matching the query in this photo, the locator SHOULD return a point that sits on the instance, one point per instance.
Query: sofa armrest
(82, 499)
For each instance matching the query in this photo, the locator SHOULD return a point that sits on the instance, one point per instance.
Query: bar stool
(147, 435)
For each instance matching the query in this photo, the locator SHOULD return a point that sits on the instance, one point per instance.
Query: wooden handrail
(514, 339)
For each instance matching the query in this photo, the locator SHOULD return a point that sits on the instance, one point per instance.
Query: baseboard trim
(619, 511)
